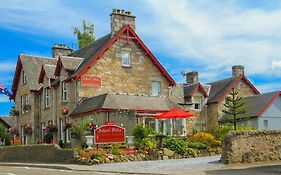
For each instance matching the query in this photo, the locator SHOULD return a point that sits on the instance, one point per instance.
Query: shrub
(204, 137)
(197, 145)
(222, 130)
(48, 137)
(75, 132)
(216, 143)
(117, 152)
(175, 144)
(191, 151)
(97, 156)
(142, 136)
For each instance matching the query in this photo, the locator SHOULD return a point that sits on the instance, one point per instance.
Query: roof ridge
(217, 81)
(37, 56)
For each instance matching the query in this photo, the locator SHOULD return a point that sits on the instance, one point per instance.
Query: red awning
(175, 113)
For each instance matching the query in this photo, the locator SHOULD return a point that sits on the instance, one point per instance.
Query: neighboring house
(118, 67)
(210, 96)
(262, 111)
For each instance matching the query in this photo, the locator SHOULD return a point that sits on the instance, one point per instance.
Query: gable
(273, 107)
(221, 88)
(128, 34)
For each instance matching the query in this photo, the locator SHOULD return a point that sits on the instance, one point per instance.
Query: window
(265, 124)
(23, 77)
(126, 59)
(21, 104)
(47, 98)
(155, 91)
(197, 102)
(227, 101)
(64, 92)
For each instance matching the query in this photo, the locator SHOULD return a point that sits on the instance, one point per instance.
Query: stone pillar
(191, 77)
(237, 70)
(121, 18)
(60, 50)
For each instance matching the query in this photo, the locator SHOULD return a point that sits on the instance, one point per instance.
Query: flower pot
(89, 141)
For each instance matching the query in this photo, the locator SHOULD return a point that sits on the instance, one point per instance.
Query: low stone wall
(36, 153)
(251, 146)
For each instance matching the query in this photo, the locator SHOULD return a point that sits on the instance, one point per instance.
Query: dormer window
(23, 77)
(126, 58)
(197, 102)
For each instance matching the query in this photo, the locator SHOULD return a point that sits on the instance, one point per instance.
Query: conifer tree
(235, 106)
(86, 35)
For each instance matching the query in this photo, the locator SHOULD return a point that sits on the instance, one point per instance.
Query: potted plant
(65, 110)
(51, 129)
(15, 132)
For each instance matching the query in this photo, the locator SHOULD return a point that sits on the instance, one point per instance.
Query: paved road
(195, 166)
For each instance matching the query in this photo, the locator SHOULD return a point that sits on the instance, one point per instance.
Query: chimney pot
(60, 50)
(120, 18)
(191, 77)
(237, 70)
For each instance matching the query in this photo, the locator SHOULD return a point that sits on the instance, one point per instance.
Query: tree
(86, 35)
(235, 106)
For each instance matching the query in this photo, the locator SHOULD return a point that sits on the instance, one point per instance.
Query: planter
(89, 141)
(130, 141)
(75, 142)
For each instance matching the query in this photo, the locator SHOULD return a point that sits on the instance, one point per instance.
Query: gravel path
(171, 166)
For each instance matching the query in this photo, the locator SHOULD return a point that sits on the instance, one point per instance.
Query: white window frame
(47, 98)
(196, 102)
(153, 92)
(64, 92)
(126, 58)
(21, 104)
(23, 77)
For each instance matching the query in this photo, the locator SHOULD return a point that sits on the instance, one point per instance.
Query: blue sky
(207, 36)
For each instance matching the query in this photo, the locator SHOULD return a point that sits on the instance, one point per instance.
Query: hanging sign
(109, 133)
(91, 81)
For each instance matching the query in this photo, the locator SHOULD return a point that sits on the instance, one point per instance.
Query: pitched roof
(11, 120)
(189, 90)
(48, 71)
(93, 51)
(4, 123)
(123, 102)
(176, 94)
(255, 105)
(32, 67)
(221, 88)
(71, 63)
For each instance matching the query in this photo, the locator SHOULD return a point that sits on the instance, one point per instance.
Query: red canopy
(175, 113)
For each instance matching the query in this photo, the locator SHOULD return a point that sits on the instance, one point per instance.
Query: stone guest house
(114, 78)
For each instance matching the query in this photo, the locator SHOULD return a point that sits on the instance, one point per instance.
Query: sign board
(109, 133)
(91, 81)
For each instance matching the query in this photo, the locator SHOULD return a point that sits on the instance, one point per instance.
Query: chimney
(191, 77)
(60, 50)
(237, 70)
(121, 18)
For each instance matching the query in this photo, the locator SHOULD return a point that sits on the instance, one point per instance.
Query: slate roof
(254, 105)
(89, 51)
(219, 88)
(49, 71)
(188, 89)
(32, 66)
(4, 122)
(125, 102)
(71, 63)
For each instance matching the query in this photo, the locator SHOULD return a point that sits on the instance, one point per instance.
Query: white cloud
(4, 98)
(216, 35)
(7, 66)
(276, 64)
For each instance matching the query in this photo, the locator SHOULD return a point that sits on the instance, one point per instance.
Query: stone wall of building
(36, 154)
(251, 146)
(117, 78)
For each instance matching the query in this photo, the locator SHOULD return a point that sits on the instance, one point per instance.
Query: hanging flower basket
(65, 110)
(15, 131)
(51, 129)
(15, 112)
(27, 130)
(67, 126)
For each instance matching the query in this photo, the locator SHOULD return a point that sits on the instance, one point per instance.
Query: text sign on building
(91, 81)
(109, 133)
